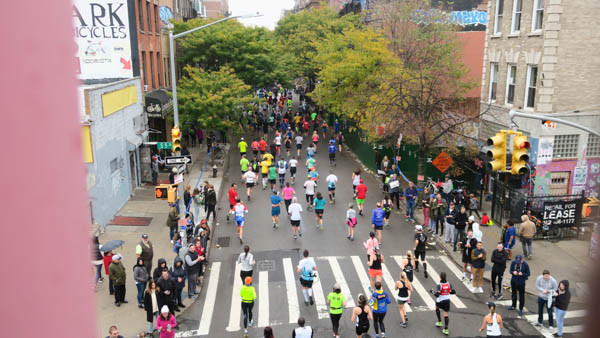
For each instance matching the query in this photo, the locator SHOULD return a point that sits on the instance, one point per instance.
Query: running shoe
(251, 323)
(245, 331)
(446, 332)
(425, 273)
(241, 241)
(311, 300)
(321, 227)
(348, 236)
(403, 325)
(295, 236)
(439, 324)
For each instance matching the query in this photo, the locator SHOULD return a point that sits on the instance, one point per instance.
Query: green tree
(298, 35)
(249, 51)
(212, 100)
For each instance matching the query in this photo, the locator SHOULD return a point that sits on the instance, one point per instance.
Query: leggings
(335, 321)
(497, 276)
(247, 310)
(310, 199)
(378, 321)
(211, 209)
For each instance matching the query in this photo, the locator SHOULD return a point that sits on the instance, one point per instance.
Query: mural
(165, 15)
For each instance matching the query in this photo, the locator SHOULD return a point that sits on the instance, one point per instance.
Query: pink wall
(592, 185)
(472, 56)
(47, 283)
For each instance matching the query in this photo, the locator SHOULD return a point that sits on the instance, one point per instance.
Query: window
(141, 17)
(565, 146)
(499, 14)
(530, 87)
(167, 69)
(156, 19)
(593, 145)
(493, 81)
(145, 80)
(158, 69)
(148, 9)
(516, 16)
(538, 15)
(511, 75)
(152, 69)
(559, 183)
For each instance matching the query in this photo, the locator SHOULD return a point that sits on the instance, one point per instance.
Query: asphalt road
(216, 314)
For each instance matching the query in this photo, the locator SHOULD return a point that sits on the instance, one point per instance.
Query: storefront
(158, 104)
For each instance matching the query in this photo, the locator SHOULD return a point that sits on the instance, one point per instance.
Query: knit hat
(418, 227)
(164, 309)
(116, 257)
(472, 218)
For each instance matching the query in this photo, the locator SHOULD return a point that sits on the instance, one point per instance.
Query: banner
(103, 39)
(562, 213)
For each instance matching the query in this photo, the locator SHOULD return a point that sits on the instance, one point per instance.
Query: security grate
(223, 242)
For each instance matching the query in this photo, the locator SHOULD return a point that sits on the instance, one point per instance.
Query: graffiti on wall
(466, 18)
(593, 182)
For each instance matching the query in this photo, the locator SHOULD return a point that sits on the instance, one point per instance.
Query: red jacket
(232, 196)
(107, 260)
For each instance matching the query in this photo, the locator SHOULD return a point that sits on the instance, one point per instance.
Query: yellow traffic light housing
(176, 139)
(165, 192)
(498, 153)
(520, 154)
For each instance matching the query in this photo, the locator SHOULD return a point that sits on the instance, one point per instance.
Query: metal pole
(173, 78)
(514, 113)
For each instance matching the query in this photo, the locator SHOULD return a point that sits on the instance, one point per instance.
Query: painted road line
(235, 310)
(456, 271)
(569, 314)
(290, 285)
(419, 288)
(362, 275)
(209, 299)
(391, 284)
(436, 278)
(319, 297)
(339, 277)
(263, 298)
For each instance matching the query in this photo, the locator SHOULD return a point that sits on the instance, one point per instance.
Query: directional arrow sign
(175, 160)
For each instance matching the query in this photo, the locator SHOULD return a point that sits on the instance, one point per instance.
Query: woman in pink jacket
(165, 323)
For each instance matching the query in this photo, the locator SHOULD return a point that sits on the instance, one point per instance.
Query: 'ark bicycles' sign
(103, 39)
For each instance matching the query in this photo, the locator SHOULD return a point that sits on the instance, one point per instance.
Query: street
(279, 298)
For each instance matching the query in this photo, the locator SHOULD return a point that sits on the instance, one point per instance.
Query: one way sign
(177, 160)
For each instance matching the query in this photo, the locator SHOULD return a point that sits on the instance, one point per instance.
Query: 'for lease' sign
(562, 213)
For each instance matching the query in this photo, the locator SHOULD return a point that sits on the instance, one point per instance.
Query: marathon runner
(272, 176)
(379, 303)
(244, 165)
(239, 211)
(375, 268)
(293, 162)
(443, 292)
(275, 208)
(255, 147)
(331, 149)
(233, 196)
(324, 127)
(355, 180)
(243, 146)
(281, 169)
(315, 139)
(319, 209)
(288, 193)
(377, 217)
(264, 170)
(295, 213)
(307, 269)
(250, 178)
(404, 288)
(299, 140)
(331, 184)
(248, 294)
(336, 302)
(387, 204)
(309, 187)
(351, 221)
(419, 249)
(288, 144)
(262, 144)
(361, 315)
(361, 195)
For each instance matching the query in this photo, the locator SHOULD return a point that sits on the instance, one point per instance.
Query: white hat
(164, 309)
(418, 227)
(472, 218)
(116, 257)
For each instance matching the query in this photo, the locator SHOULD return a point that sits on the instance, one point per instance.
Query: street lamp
(172, 37)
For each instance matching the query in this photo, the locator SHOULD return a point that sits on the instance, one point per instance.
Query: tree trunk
(421, 167)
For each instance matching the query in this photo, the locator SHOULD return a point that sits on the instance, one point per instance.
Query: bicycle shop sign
(562, 213)
(103, 39)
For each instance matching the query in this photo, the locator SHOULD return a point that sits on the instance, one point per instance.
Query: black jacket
(499, 259)
(461, 220)
(148, 305)
(467, 251)
(562, 300)
(211, 197)
(167, 293)
(158, 270)
(451, 220)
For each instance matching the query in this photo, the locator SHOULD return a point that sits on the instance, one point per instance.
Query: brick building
(149, 47)
(216, 8)
(541, 57)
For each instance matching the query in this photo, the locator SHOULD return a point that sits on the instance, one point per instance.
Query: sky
(270, 9)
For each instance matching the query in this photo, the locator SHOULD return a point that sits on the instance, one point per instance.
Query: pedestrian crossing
(571, 314)
(270, 306)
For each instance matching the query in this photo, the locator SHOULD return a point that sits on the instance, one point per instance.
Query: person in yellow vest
(248, 294)
(336, 302)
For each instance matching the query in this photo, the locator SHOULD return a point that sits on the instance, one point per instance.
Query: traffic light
(520, 154)
(176, 136)
(498, 154)
(165, 192)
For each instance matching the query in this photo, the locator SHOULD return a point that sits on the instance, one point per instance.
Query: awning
(158, 103)
(133, 141)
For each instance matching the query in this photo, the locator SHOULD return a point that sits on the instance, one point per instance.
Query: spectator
(151, 304)
(165, 323)
(424, 199)
(162, 264)
(198, 201)
(520, 272)
(394, 186)
(478, 256)
(97, 259)
(450, 222)
(485, 220)
(546, 286)
(155, 169)
(211, 202)
(439, 206)
(526, 232)
(107, 261)
(167, 291)
(192, 268)
(472, 225)
(499, 257)
(140, 275)
(116, 273)
(509, 238)
(200, 136)
(468, 244)
(172, 222)
(460, 226)
(113, 332)
(563, 298)
(447, 188)
(145, 251)
(179, 275)
(473, 205)
(411, 198)
(187, 197)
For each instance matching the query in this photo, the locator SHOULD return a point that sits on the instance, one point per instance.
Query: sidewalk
(130, 319)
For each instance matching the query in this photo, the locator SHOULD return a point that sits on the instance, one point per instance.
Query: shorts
(373, 272)
(379, 227)
(444, 305)
(319, 212)
(362, 329)
(401, 300)
(281, 176)
(332, 156)
(288, 146)
(298, 146)
(255, 152)
(244, 171)
(420, 253)
(264, 175)
(306, 283)
(351, 222)
(293, 171)
(239, 223)
(249, 185)
(360, 201)
(466, 259)
(272, 180)
(295, 223)
(387, 214)
(330, 188)
(242, 153)
(275, 211)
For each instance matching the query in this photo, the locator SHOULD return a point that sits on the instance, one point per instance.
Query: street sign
(442, 162)
(164, 145)
(176, 160)
(180, 169)
(178, 178)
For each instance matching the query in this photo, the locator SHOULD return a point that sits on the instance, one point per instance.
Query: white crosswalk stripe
(453, 298)
(235, 311)
(456, 271)
(362, 275)
(419, 288)
(211, 297)
(339, 277)
(321, 306)
(391, 284)
(263, 298)
(290, 285)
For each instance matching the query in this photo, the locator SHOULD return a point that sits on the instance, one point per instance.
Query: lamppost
(172, 37)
